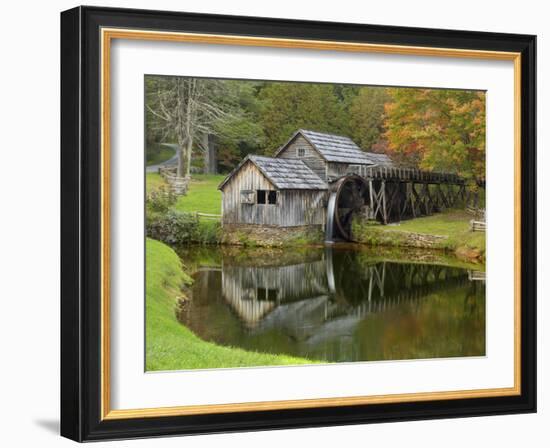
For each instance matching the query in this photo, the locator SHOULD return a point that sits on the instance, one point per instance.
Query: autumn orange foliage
(436, 129)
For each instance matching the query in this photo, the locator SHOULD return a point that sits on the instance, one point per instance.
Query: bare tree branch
(189, 109)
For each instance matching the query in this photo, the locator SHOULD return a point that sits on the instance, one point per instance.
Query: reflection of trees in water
(337, 305)
(476, 289)
(335, 290)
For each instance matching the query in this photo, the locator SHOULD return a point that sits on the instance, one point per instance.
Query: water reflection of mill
(330, 295)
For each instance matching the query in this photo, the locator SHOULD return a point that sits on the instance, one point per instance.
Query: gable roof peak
(284, 174)
(331, 147)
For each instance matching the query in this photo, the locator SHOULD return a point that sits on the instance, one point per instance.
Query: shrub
(208, 232)
(160, 200)
(172, 227)
(177, 228)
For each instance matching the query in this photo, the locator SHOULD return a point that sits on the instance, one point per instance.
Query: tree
(287, 107)
(367, 116)
(438, 129)
(239, 133)
(186, 108)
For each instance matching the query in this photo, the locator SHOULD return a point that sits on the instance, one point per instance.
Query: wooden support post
(453, 195)
(450, 195)
(393, 202)
(376, 201)
(406, 199)
(462, 192)
(413, 200)
(429, 204)
(443, 197)
(402, 199)
(384, 210)
(417, 201)
(372, 208)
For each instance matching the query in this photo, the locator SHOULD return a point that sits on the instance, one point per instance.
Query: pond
(336, 303)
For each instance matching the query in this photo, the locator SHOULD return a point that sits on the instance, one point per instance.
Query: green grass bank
(448, 231)
(169, 344)
(203, 195)
(154, 181)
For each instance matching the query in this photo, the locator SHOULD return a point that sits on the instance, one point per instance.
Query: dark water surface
(336, 304)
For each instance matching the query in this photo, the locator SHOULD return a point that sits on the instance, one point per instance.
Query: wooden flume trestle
(390, 194)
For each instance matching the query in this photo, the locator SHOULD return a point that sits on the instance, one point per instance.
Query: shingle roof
(337, 148)
(289, 174)
(379, 159)
(284, 174)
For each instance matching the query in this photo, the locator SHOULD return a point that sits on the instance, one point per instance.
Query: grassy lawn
(448, 223)
(158, 153)
(203, 195)
(153, 180)
(452, 225)
(169, 344)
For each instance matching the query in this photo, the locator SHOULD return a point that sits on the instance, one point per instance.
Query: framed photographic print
(276, 224)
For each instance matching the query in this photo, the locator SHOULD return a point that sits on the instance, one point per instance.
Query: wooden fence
(478, 213)
(477, 226)
(476, 275)
(209, 216)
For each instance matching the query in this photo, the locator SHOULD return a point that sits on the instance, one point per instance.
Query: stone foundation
(270, 236)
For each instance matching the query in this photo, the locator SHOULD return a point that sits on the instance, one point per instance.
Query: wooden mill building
(318, 179)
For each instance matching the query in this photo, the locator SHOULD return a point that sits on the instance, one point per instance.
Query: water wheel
(351, 197)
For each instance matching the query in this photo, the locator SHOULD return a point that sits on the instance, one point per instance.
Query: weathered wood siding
(293, 208)
(275, 283)
(335, 170)
(302, 207)
(248, 178)
(311, 157)
(253, 292)
(279, 296)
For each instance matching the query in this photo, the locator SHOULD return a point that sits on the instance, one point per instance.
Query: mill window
(268, 197)
(301, 152)
(266, 294)
(272, 197)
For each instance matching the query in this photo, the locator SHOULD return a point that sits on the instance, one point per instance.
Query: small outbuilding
(273, 192)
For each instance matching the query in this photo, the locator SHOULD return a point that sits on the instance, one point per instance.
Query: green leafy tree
(241, 133)
(287, 107)
(367, 116)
